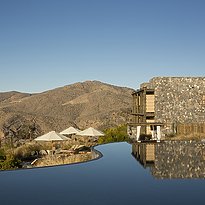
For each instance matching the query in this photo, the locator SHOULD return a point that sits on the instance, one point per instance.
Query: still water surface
(116, 178)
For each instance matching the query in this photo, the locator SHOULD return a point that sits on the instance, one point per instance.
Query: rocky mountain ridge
(83, 104)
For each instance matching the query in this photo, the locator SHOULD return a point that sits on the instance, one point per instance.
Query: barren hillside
(90, 103)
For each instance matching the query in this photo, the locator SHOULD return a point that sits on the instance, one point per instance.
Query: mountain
(90, 103)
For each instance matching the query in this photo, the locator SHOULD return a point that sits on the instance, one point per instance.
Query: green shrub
(9, 163)
(8, 160)
(115, 134)
(2, 154)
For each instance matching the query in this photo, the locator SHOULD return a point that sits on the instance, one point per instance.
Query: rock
(33, 153)
(43, 152)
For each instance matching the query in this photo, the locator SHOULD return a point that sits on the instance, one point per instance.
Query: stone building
(168, 102)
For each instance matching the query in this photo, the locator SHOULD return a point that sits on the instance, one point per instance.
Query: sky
(46, 44)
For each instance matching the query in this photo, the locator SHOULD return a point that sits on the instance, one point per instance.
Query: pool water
(116, 178)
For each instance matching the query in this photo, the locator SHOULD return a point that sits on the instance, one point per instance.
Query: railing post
(158, 133)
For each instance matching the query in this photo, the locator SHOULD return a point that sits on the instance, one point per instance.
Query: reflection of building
(169, 101)
(144, 152)
(172, 159)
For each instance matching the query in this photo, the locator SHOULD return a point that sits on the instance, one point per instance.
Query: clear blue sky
(46, 44)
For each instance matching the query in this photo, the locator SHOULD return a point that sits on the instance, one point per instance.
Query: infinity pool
(116, 178)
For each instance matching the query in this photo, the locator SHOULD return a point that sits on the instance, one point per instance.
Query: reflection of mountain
(172, 159)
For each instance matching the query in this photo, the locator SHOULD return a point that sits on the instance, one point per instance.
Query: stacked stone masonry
(178, 99)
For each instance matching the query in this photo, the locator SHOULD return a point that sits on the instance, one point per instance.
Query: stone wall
(179, 159)
(61, 159)
(178, 99)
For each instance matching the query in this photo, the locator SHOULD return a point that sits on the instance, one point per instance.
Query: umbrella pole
(52, 148)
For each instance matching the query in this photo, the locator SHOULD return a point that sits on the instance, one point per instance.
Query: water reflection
(172, 159)
(115, 178)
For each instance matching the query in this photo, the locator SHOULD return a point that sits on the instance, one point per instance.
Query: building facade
(168, 101)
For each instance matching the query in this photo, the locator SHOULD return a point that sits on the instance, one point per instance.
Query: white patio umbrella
(91, 132)
(70, 131)
(51, 137)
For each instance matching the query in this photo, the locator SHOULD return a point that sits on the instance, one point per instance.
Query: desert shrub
(66, 145)
(2, 154)
(115, 134)
(25, 150)
(10, 162)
